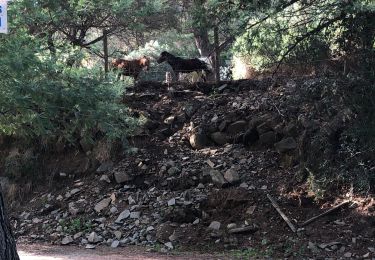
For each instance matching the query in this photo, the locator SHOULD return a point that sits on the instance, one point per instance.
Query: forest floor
(198, 176)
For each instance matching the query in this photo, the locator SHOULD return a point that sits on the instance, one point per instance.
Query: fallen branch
(274, 204)
(249, 229)
(324, 214)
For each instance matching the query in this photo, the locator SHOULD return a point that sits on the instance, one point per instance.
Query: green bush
(41, 99)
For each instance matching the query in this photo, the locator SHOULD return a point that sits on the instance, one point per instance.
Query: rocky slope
(197, 175)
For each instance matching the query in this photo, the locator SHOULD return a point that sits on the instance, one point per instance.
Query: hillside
(196, 175)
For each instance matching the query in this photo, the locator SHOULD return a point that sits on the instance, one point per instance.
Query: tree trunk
(202, 41)
(8, 249)
(217, 55)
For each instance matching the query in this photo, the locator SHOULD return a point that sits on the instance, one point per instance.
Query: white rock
(231, 225)
(115, 244)
(169, 245)
(90, 246)
(215, 225)
(105, 178)
(150, 228)
(172, 202)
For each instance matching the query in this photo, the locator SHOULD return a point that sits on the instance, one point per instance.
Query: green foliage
(294, 33)
(76, 225)
(252, 253)
(21, 166)
(44, 100)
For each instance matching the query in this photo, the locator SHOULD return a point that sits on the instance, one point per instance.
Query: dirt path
(43, 252)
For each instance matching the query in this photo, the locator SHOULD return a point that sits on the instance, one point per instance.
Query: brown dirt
(45, 252)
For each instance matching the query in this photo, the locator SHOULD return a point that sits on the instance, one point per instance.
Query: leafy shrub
(41, 99)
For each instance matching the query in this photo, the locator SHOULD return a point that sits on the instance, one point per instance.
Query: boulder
(122, 177)
(237, 127)
(217, 177)
(285, 145)
(219, 138)
(268, 138)
(250, 137)
(231, 175)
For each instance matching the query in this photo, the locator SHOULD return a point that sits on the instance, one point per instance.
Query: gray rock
(150, 228)
(90, 246)
(173, 170)
(231, 225)
(313, 247)
(67, 240)
(215, 225)
(222, 87)
(219, 138)
(231, 175)
(102, 204)
(113, 210)
(200, 186)
(217, 177)
(131, 200)
(173, 237)
(268, 138)
(286, 145)
(77, 235)
(172, 202)
(118, 234)
(135, 215)
(75, 209)
(105, 167)
(190, 110)
(237, 127)
(94, 238)
(105, 178)
(248, 229)
(169, 245)
(115, 243)
(123, 215)
(121, 177)
(72, 192)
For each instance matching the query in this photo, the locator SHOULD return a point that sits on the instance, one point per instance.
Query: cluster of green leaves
(43, 99)
(76, 225)
(308, 31)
